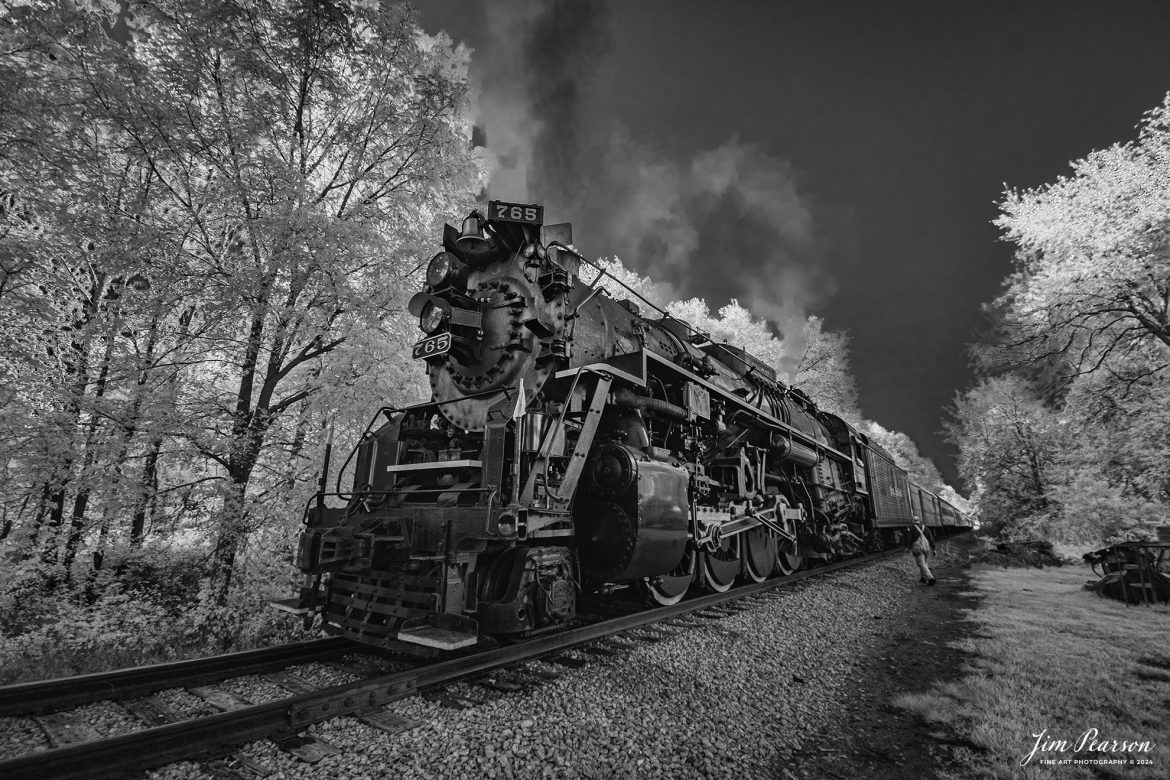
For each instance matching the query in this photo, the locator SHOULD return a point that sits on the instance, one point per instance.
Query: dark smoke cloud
(727, 223)
(560, 50)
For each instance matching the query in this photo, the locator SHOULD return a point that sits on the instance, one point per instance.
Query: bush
(1033, 553)
(143, 607)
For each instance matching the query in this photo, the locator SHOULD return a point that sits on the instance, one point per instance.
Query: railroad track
(51, 695)
(213, 736)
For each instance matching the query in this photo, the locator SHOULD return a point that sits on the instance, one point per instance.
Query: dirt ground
(910, 653)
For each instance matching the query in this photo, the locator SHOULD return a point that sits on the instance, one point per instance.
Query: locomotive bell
(472, 244)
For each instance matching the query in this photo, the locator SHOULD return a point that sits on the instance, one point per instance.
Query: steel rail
(48, 695)
(128, 755)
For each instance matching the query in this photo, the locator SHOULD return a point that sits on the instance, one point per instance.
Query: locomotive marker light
(434, 313)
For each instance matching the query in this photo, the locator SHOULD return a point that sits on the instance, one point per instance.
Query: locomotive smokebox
(495, 311)
(632, 517)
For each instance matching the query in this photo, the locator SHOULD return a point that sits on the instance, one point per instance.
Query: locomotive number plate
(432, 346)
(527, 213)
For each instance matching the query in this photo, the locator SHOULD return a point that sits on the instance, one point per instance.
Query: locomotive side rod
(128, 755)
(742, 524)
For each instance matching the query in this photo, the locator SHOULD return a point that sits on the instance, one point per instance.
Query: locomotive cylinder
(633, 516)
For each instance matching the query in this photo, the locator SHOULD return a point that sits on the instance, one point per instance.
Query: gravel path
(787, 689)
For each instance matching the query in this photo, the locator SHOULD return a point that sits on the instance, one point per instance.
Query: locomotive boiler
(574, 443)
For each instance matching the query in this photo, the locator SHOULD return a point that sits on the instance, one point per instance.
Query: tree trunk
(50, 549)
(81, 500)
(78, 368)
(148, 482)
(231, 530)
(248, 429)
(28, 549)
(147, 486)
(298, 445)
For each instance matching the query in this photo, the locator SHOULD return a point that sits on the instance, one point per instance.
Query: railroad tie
(452, 701)
(651, 636)
(683, 623)
(542, 674)
(308, 749)
(496, 684)
(361, 671)
(389, 722)
(290, 682)
(568, 660)
(220, 698)
(152, 711)
(66, 728)
(237, 767)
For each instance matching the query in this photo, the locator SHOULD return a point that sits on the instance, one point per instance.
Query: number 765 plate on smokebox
(526, 213)
(432, 346)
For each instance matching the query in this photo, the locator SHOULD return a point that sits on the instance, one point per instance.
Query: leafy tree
(823, 370)
(1070, 439)
(1093, 279)
(1009, 443)
(258, 181)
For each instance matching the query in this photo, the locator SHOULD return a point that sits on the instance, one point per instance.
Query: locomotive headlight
(443, 269)
(506, 524)
(433, 316)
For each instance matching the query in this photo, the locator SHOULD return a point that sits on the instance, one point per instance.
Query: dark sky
(886, 131)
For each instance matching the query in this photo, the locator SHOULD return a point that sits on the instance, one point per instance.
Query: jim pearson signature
(1086, 743)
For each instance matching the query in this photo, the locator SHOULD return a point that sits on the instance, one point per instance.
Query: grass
(1048, 662)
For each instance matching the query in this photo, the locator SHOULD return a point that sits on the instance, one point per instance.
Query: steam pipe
(628, 399)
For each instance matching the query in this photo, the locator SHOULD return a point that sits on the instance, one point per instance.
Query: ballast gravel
(738, 697)
(19, 735)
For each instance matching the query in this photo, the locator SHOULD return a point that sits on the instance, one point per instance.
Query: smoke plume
(729, 222)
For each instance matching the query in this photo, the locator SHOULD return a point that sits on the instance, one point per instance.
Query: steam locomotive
(572, 445)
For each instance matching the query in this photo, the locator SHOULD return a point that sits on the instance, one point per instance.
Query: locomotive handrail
(390, 411)
(603, 272)
(545, 437)
(756, 411)
(386, 493)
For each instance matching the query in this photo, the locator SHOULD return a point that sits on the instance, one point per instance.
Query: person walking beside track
(920, 546)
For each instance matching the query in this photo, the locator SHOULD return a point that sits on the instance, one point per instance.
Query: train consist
(572, 445)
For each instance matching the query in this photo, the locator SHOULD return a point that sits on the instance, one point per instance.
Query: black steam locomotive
(573, 445)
